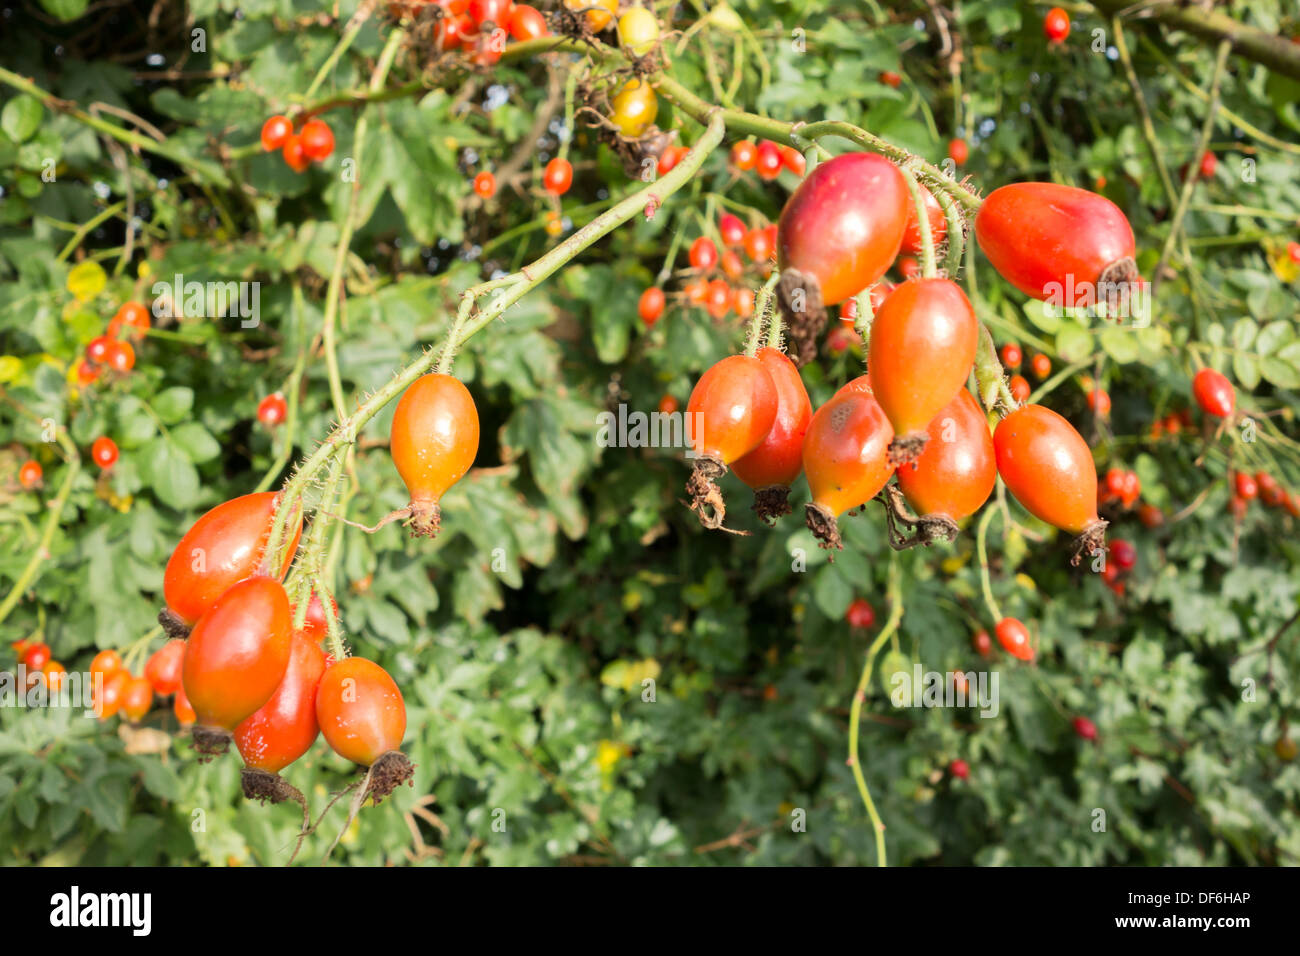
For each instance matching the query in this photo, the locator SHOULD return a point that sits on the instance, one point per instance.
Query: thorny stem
(981, 546)
(895, 597)
(762, 308)
(955, 233)
(923, 223)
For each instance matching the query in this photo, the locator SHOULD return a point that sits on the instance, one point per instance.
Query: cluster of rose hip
(313, 143)
(909, 428)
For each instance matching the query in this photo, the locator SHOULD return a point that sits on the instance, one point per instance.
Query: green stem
(981, 545)
(928, 267)
(895, 597)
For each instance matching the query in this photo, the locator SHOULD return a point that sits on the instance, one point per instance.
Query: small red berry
(651, 305)
(982, 643)
(890, 78)
(275, 132)
(860, 614)
(272, 410)
(1246, 487)
(1123, 554)
(317, 140)
(1012, 356)
(104, 452)
(770, 160)
(731, 229)
(485, 185)
(1056, 25)
(29, 475)
(959, 769)
(958, 151)
(1085, 728)
(558, 176)
(1014, 638)
(703, 254)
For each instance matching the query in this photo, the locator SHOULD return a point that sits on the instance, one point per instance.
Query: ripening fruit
(87, 372)
(958, 151)
(731, 229)
(489, 11)
(667, 405)
(1151, 516)
(769, 161)
(55, 675)
(1018, 385)
(732, 408)
(1012, 356)
(317, 140)
(104, 452)
(732, 266)
(845, 456)
(921, 352)
(1293, 251)
(1057, 243)
(1014, 638)
(744, 155)
(1214, 393)
(778, 459)
(758, 245)
(527, 23)
(793, 160)
(742, 300)
(1286, 749)
(236, 655)
(137, 698)
(634, 107)
(1056, 25)
(29, 475)
(452, 31)
(638, 30)
(599, 13)
(890, 78)
(433, 441)
(1123, 554)
(1209, 163)
(1085, 728)
(105, 663)
(360, 710)
(703, 254)
(163, 669)
(485, 185)
(670, 157)
(982, 643)
(558, 176)
(181, 708)
(1048, 466)
(959, 769)
(1245, 487)
(651, 305)
(843, 225)
(221, 549)
(272, 410)
(285, 727)
(717, 301)
(956, 472)
(108, 701)
(131, 317)
(912, 231)
(294, 154)
(314, 624)
(275, 132)
(860, 614)
(1041, 365)
(1099, 402)
(36, 655)
(97, 349)
(120, 356)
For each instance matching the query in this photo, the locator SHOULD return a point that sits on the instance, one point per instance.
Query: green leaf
(65, 10)
(1074, 342)
(168, 469)
(174, 404)
(21, 117)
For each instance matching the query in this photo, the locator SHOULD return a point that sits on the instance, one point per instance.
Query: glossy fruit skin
(485, 185)
(558, 176)
(294, 154)
(36, 656)
(315, 625)
(87, 372)
(360, 710)
(97, 349)
(731, 229)
(1214, 393)
(1014, 638)
(860, 614)
(163, 669)
(912, 231)
(651, 305)
(1012, 356)
(744, 155)
(732, 266)
(275, 131)
(1019, 388)
(982, 643)
(634, 107)
(958, 151)
(137, 698)
(236, 655)
(778, 460)
(55, 675)
(452, 31)
(1123, 555)
(109, 700)
(1053, 242)
(718, 300)
(131, 317)
(957, 470)
(1245, 486)
(1099, 402)
(959, 769)
(227, 544)
(527, 23)
(29, 475)
(844, 224)
(1209, 163)
(769, 160)
(106, 662)
(285, 727)
(793, 160)
(489, 11)
(1085, 728)
(181, 708)
(703, 254)
(120, 356)
(104, 452)
(598, 18)
(670, 157)
(846, 449)
(1048, 466)
(272, 410)
(638, 30)
(758, 245)
(732, 408)
(742, 300)
(1056, 25)
(434, 438)
(317, 140)
(921, 351)
(1041, 365)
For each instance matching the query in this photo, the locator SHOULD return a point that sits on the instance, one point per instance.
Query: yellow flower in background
(1283, 266)
(629, 675)
(87, 280)
(1026, 582)
(10, 368)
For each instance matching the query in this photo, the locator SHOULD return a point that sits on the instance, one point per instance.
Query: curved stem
(981, 545)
